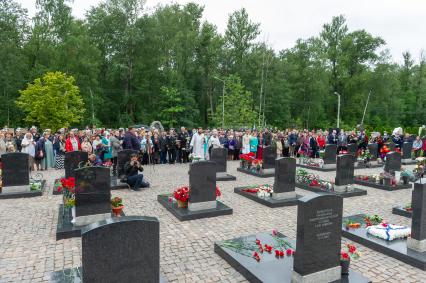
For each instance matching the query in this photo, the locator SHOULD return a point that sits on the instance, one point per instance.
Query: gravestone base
(399, 210)
(343, 188)
(269, 268)
(75, 275)
(116, 184)
(88, 219)
(202, 205)
(328, 275)
(316, 168)
(397, 249)
(355, 192)
(372, 164)
(268, 201)
(416, 245)
(265, 173)
(223, 176)
(184, 214)
(65, 229)
(408, 161)
(286, 195)
(380, 186)
(21, 191)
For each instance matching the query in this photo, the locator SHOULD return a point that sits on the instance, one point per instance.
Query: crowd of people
(47, 149)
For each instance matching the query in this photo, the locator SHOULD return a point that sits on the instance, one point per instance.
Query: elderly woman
(28, 146)
(417, 146)
(60, 150)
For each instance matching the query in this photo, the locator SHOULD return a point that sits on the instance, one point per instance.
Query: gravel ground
(29, 251)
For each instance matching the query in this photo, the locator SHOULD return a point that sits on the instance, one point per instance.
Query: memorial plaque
(330, 154)
(393, 162)
(15, 170)
(122, 157)
(202, 181)
(344, 170)
(219, 156)
(352, 149)
(269, 156)
(418, 203)
(285, 175)
(406, 150)
(373, 148)
(93, 191)
(72, 161)
(318, 244)
(125, 249)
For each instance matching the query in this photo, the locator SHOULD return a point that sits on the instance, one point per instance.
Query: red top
(68, 144)
(321, 141)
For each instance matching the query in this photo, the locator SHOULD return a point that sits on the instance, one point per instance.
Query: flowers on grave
(312, 180)
(247, 159)
(408, 207)
(388, 232)
(35, 185)
(349, 224)
(343, 151)
(383, 151)
(182, 195)
(261, 191)
(117, 206)
(257, 164)
(372, 220)
(67, 188)
(419, 169)
(194, 157)
(349, 252)
(364, 156)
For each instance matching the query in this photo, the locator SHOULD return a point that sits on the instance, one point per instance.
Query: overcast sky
(401, 23)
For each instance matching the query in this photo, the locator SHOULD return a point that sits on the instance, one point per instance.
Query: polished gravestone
(219, 156)
(329, 159)
(269, 155)
(264, 173)
(284, 193)
(352, 149)
(74, 160)
(407, 148)
(202, 202)
(92, 202)
(373, 148)
(122, 157)
(317, 248)
(16, 177)
(417, 241)
(125, 249)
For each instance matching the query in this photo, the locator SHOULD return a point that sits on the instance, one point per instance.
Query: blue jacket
(130, 141)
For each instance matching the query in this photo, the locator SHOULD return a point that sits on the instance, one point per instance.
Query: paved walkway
(29, 251)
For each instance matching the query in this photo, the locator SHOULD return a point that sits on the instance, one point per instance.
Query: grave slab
(316, 168)
(380, 186)
(396, 248)
(399, 210)
(223, 176)
(269, 268)
(355, 192)
(23, 194)
(65, 229)
(265, 173)
(184, 214)
(268, 201)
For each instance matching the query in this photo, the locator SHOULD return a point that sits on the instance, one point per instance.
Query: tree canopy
(135, 66)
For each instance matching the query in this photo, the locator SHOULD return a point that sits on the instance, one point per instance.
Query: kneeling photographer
(132, 176)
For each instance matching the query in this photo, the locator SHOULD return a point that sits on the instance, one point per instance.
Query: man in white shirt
(197, 144)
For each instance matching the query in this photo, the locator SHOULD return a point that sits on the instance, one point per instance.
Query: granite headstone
(393, 162)
(122, 157)
(319, 222)
(406, 150)
(218, 156)
(72, 161)
(269, 155)
(344, 172)
(92, 195)
(15, 170)
(373, 148)
(202, 182)
(352, 149)
(330, 154)
(391, 146)
(418, 224)
(285, 178)
(125, 249)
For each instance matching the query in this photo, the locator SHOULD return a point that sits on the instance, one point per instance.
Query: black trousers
(172, 155)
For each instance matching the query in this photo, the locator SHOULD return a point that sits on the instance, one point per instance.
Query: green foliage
(52, 101)
(238, 105)
(172, 106)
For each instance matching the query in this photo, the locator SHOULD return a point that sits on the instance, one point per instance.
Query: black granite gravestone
(344, 170)
(72, 161)
(285, 175)
(352, 148)
(93, 191)
(406, 150)
(15, 171)
(202, 181)
(268, 157)
(218, 156)
(330, 154)
(391, 146)
(122, 157)
(125, 249)
(393, 162)
(319, 222)
(418, 224)
(373, 148)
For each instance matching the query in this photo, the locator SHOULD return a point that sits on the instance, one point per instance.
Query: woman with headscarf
(28, 146)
